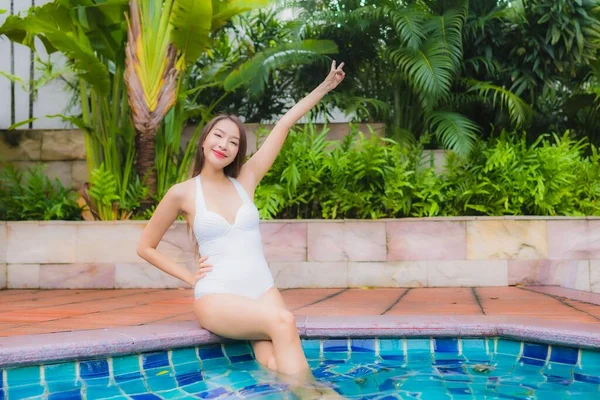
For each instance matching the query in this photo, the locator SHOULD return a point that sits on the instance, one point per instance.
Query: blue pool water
(436, 368)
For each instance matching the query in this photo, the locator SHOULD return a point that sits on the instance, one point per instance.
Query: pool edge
(54, 347)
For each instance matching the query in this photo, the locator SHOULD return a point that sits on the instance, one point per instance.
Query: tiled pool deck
(54, 324)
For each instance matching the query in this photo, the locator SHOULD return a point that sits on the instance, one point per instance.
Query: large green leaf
(223, 10)
(518, 110)
(429, 71)
(191, 24)
(53, 24)
(256, 71)
(455, 131)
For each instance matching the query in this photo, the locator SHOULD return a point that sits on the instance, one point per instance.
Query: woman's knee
(283, 323)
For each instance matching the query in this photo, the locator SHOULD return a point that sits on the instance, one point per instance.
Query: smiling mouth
(219, 154)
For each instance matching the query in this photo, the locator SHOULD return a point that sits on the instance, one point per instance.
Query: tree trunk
(145, 163)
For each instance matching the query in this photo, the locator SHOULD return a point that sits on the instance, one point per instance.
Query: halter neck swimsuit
(235, 251)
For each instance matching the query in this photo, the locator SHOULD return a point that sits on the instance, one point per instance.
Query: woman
(236, 299)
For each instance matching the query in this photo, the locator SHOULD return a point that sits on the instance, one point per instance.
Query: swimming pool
(362, 368)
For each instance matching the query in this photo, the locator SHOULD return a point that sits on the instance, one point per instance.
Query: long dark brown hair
(234, 168)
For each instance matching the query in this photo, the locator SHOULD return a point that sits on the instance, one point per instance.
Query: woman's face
(222, 143)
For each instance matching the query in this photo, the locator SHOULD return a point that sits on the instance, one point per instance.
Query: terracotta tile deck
(31, 312)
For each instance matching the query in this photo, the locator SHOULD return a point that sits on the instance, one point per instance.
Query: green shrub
(30, 195)
(505, 176)
(379, 178)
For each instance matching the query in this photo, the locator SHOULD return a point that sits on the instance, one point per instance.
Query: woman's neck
(212, 174)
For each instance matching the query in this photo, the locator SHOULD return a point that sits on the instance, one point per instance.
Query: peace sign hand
(334, 78)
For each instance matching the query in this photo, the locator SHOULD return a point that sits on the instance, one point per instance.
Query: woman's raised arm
(258, 165)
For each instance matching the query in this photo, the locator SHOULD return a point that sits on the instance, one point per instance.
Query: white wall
(51, 99)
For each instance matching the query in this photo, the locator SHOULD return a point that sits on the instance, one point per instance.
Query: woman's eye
(234, 143)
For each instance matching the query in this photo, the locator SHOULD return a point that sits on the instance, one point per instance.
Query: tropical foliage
(375, 178)
(458, 69)
(31, 195)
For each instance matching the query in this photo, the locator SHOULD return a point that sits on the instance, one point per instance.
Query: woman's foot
(307, 387)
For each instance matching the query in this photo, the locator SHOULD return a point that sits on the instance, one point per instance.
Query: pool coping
(64, 346)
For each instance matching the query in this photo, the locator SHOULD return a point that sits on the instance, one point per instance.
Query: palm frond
(518, 110)
(455, 131)
(256, 71)
(191, 25)
(428, 71)
(223, 10)
(447, 29)
(408, 22)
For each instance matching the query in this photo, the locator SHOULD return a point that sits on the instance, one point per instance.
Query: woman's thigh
(236, 317)
(273, 297)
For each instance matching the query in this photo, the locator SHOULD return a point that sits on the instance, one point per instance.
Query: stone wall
(62, 152)
(434, 252)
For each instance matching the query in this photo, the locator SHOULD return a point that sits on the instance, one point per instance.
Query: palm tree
(164, 38)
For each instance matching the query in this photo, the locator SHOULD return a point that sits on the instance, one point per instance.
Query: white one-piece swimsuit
(235, 251)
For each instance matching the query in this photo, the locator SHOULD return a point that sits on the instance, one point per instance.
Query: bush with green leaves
(555, 175)
(31, 195)
(370, 178)
(358, 177)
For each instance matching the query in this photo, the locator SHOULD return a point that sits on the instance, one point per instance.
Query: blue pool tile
(582, 377)
(446, 345)
(511, 347)
(184, 356)
(23, 392)
(565, 355)
(210, 352)
(162, 382)
(155, 360)
(189, 378)
(558, 369)
(23, 376)
(241, 358)
(133, 387)
(255, 389)
(69, 395)
(212, 393)
(237, 349)
(125, 364)
(332, 362)
(391, 346)
(102, 392)
(172, 394)
(559, 380)
(60, 372)
(532, 361)
(63, 386)
(418, 345)
(363, 345)
(459, 390)
(535, 350)
(128, 377)
(590, 358)
(181, 369)
(311, 345)
(145, 396)
(215, 363)
(393, 357)
(93, 369)
(335, 345)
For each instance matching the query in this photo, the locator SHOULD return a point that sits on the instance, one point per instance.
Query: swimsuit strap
(200, 204)
(241, 191)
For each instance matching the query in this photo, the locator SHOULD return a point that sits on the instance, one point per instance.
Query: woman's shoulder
(182, 189)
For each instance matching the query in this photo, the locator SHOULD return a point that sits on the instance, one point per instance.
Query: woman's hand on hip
(203, 269)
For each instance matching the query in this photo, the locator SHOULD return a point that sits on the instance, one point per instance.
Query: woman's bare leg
(238, 317)
(263, 349)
